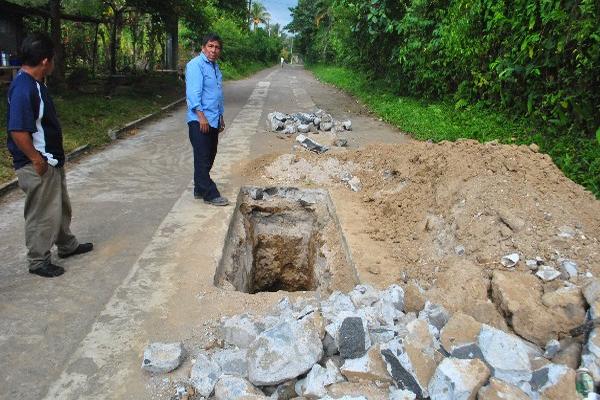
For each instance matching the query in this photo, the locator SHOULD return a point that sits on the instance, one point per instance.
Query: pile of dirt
(441, 216)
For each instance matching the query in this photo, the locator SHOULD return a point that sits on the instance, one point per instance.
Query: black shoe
(218, 201)
(82, 248)
(48, 271)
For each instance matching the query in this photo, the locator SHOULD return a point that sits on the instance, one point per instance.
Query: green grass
(87, 118)
(575, 154)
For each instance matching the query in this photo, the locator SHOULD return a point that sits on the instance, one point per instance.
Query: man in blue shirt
(35, 142)
(204, 93)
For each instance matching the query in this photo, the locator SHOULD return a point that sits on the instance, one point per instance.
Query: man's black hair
(212, 37)
(35, 48)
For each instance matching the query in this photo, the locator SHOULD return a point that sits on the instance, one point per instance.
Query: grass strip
(575, 154)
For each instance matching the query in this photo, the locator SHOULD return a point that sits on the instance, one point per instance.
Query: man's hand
(221, 124)
(204, 126)
(24, 142)
(40, 165)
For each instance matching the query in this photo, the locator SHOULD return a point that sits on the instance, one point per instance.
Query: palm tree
(259, 14)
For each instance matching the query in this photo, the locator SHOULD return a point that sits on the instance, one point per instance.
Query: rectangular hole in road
(283, 238)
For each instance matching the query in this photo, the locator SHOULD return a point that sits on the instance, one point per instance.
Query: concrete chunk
(456, 379)
(161, 358)
(204, 375)
(283, 352)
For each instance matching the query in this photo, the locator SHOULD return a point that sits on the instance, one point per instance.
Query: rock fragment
(547, 273)
(204, 375)
(232, 362)
(235, 388)
(239, 330)
(507, 355)
(554, 382)
(500, 390)
(435, 314)
(369, 367)
(319, 378)
(510, 260)
(283, 352)
(351, 338)
(458, 379)
(161, 358)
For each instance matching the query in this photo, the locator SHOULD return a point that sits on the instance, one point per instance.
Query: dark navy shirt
(31, 109)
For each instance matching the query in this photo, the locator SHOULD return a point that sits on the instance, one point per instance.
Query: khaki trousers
(47, 214)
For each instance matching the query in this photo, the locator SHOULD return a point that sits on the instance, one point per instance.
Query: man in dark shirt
(35, 142)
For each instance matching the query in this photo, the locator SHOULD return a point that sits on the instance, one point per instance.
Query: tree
(259, 14)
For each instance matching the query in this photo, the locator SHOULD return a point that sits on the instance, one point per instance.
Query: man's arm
(24, 142)
(194, 83)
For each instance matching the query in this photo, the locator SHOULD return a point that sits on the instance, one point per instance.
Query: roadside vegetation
(99, 86)
(518, 72)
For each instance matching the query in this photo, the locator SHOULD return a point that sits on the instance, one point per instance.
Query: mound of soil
(441, 216)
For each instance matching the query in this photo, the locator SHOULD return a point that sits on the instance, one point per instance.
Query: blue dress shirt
(204, 90)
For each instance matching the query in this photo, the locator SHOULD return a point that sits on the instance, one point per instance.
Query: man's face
(212, 50)
(48, 65)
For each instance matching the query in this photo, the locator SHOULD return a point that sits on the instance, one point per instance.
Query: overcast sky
(279, 10)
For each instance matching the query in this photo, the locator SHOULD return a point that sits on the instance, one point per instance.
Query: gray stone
(459, 250)
(469, 351)
(234, 388)
(394, 295)
(239, 330)
(569, 268)
(355, 184)
(310, 144)
(590, 357)
(232, 362)
(347, 125)
(403, 378)
(547, 273)
(317, 122)
(507, 355)
(303, 128)
(552, 348)
(364, 295)
(283, 352)
(381, 335)
(435, 314)
(319, 378)
(329, 345)
(336, 304)
(274, 123)
(401, 394)
(351, 338)
(290, 130)
(456, 379)
(204, 376)
(326, 126)
(553, 381)
(160, 358)
(510, 260)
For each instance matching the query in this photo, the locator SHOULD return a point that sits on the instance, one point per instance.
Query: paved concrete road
(78, 336)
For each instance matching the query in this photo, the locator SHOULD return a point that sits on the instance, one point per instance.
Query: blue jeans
(205, 151)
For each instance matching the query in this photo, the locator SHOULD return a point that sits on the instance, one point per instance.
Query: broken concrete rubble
(306, 122)
(365, 344)
(163, 357)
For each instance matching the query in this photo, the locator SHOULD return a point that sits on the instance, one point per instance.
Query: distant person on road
(282, 61)
(204, 92)
(35, 142)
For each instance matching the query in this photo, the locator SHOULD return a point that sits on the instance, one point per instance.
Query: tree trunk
(114, 39)
(95, 51)
(58, 76)
(173, 35)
